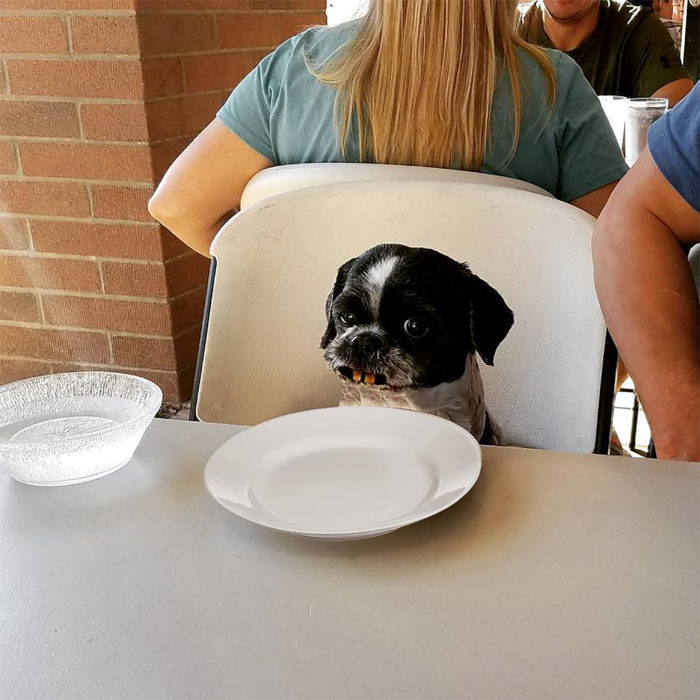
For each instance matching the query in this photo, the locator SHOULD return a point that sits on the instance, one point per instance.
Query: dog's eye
(415, 328)
(348, 318)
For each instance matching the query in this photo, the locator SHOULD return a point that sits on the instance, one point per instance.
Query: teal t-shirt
(286, 115)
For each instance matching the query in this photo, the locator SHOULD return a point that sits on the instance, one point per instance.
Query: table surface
(557, 576)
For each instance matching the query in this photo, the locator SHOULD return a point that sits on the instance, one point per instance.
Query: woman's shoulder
(568, 76)
(324, 41)
(565, 68)
(314, 45)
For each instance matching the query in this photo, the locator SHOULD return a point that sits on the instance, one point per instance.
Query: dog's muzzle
(362, 350)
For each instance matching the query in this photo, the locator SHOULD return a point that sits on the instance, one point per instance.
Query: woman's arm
(593, 202)
(204, 185)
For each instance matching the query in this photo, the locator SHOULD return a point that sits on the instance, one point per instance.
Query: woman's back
(287, 115)
(439, 83)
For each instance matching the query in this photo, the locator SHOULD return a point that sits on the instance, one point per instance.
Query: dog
(404, 326)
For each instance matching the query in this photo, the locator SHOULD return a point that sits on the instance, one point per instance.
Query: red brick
(33, 35)
(78, 366)
(277, 4)
(257, 55)
(169, 382)
(129, 163)
(19, 306)
(146, 353)
(163, 154)
(186, 382)
(12, 370)
(66, 4)
(115, 34)
(123, 203)
(186, 273)
(216, 71)
(53, 198)
(134, 279)
(162, 77)
(36, 118)
(176, 33)
(3, 85)
(180, 116)
(8, 160)
(14, 234)
(186, 346)
(48, 344)
(180, 5)
(292, 23)
(81, 78)
(187, 310)
(157, 353)
(134, 241)
(49, 273)
(107, 314)
(218, 99)
(114, 122)
(248, 30)
(171, 245)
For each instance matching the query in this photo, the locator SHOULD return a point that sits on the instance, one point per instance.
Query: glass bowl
(68, 428)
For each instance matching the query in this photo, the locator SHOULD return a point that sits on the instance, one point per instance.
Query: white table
(558, 576)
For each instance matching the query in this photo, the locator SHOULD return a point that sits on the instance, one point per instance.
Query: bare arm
(675, 91)
(647, 294)
(593, 202)
(204, 185)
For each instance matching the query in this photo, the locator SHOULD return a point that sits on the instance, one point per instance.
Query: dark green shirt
(630, 52)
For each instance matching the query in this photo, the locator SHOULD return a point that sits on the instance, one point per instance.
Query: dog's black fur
(452, 312)
(465, 314)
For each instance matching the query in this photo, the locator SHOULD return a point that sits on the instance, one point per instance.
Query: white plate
(344, 473)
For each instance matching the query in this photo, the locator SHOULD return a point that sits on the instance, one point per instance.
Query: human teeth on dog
(358, 376)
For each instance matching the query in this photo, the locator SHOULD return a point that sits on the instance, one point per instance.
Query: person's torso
(603, 56)
(303, 125)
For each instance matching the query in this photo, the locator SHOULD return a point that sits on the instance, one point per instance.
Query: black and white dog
(404, 325)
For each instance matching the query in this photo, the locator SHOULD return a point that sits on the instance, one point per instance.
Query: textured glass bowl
(68, 428)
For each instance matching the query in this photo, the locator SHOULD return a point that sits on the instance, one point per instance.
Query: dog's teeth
(357, 376)
(369, 378)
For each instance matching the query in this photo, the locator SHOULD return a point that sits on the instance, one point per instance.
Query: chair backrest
(694, 262)
(276, 261)
(286, 178)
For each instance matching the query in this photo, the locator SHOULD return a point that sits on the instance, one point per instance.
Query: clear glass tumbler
(642, 112)
(615, 108)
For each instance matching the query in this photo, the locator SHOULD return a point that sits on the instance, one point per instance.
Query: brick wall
(97, 97)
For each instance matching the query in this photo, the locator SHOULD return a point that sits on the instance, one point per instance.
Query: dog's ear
(338, 287)
(490, 318)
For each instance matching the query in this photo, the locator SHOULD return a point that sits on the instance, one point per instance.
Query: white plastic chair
(286, 178)
(694, 262)
(275, 262)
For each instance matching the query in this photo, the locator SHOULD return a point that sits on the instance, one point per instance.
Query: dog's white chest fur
(461, 401)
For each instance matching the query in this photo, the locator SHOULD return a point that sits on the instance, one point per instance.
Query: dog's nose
(368, 343)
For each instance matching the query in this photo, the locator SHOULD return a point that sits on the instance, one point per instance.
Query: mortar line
(69, 32)
(106, 297)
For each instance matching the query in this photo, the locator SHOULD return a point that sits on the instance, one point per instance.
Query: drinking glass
(642, 112)
(615, 108)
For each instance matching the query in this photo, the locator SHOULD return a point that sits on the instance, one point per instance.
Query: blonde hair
(417, 80)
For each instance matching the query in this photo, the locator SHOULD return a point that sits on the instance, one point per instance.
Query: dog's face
(409, 317)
